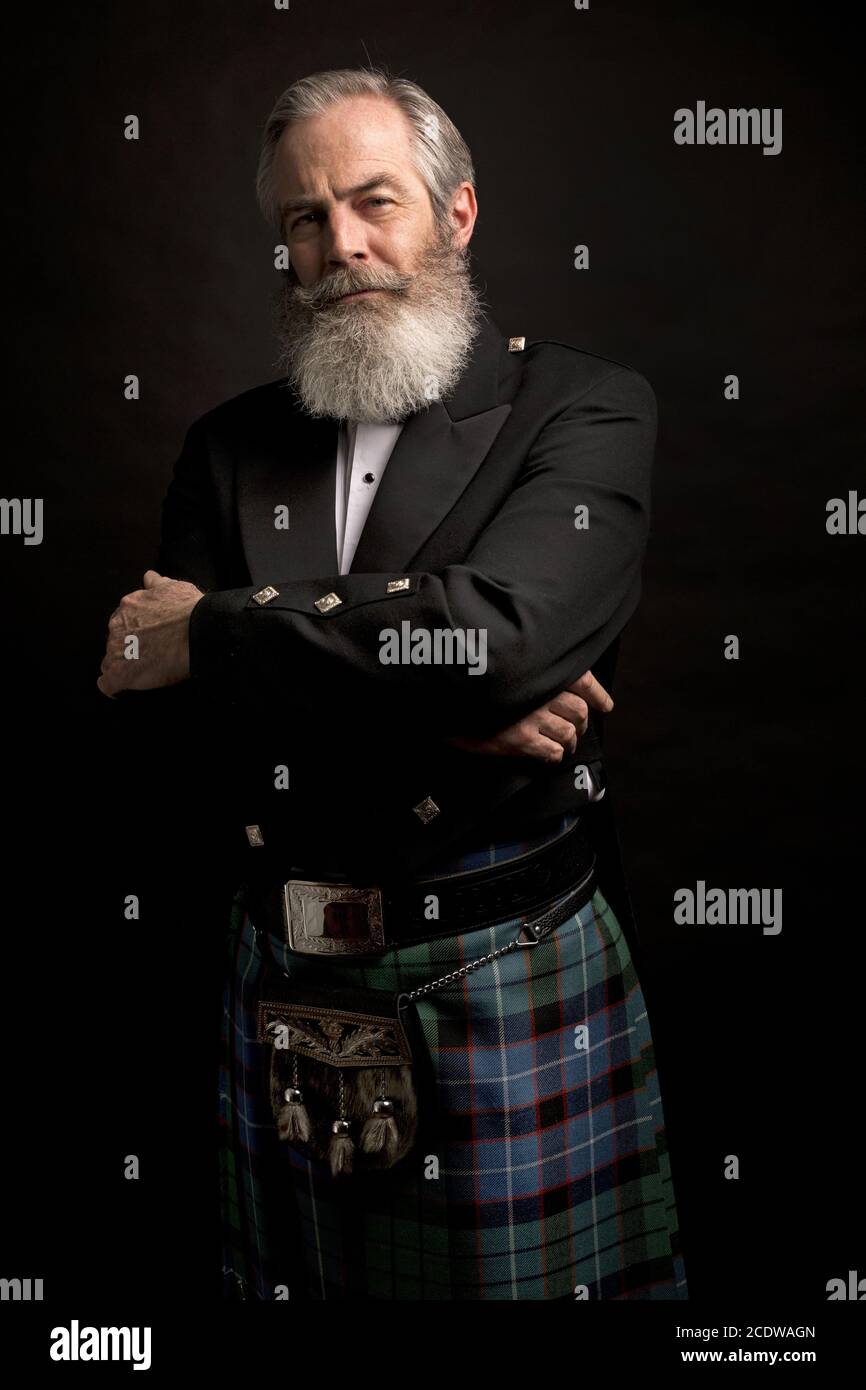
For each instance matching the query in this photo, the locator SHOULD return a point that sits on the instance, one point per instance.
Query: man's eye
(307, 216)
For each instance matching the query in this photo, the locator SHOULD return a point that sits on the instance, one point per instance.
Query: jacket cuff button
(426, 809)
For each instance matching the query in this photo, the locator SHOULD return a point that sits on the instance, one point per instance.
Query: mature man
(396, 578)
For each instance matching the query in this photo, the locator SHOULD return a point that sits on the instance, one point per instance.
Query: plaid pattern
(553, 1164)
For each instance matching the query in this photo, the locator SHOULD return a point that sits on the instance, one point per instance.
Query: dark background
(151, 258)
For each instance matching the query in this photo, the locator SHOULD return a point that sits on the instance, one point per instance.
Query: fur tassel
(340, 1152)
(293, 1122)
(380, 1135)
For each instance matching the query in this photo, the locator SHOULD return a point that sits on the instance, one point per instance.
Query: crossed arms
(550, 596)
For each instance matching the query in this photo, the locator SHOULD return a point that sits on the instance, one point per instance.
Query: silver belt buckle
(332, 919)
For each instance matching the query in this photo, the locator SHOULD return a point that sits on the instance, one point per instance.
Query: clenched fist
(157, 617)
(551, 731)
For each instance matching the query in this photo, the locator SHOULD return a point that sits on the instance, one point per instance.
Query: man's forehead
(352, 136)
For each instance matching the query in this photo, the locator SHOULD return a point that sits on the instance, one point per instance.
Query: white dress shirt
(363, 451)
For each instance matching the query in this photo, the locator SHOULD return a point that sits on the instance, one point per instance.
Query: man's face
(358, 204)
(377, 314)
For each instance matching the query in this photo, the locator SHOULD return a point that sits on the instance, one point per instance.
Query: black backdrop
(150, 257)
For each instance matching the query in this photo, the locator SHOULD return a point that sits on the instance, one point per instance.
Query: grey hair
(440, 154)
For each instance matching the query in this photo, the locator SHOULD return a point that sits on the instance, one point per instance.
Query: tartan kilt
(553, 1165)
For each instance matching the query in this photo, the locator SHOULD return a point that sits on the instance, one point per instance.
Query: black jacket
(476, 510)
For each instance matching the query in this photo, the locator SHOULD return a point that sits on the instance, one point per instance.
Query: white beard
(381, 358)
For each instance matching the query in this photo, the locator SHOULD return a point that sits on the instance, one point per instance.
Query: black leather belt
(329, 918)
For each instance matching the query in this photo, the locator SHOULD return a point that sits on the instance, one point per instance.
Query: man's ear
(464, 211)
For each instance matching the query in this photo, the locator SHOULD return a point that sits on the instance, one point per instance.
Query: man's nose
(345, 240)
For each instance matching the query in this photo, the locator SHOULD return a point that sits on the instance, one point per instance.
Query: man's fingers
(548, 750)
(551, 731)
(570, 707)
(591, 690)
(152, 577)
(561, 731)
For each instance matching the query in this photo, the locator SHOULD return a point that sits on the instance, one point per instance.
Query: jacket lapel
(436, 456)
(292, 463)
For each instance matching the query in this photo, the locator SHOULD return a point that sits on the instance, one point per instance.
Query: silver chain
(541, 926)
(461, 973)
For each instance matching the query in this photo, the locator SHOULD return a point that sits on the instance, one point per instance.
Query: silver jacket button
(426, 809)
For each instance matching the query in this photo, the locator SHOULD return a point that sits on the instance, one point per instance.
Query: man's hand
(158, 615)
(550, 732)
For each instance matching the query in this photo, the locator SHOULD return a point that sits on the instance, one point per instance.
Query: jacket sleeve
(548, 595)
